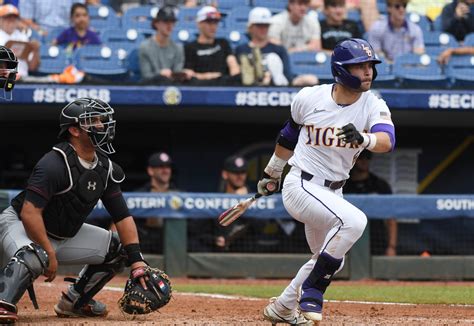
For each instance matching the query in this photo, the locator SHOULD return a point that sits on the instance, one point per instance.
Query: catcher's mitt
(136, 300)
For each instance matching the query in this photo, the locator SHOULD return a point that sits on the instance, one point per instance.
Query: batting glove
(267, 185)
(349, 134)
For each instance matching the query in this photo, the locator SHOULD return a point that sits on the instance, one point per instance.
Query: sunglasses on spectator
(397, 5)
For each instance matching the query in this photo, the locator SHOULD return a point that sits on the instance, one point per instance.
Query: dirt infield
(188, 309)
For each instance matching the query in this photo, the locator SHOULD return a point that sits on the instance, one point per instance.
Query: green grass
(432, 294)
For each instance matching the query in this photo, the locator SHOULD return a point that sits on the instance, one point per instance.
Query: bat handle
(257, 195)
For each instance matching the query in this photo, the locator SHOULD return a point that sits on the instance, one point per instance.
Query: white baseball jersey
(319, 151)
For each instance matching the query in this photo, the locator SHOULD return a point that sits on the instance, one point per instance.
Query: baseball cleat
(285, 316)
(65, 308)
(7, 317)
(311, 304)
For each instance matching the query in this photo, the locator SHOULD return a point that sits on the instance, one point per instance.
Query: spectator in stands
(295, 29)
(431, 9)
(210, 61)
(261, 61)
(160, 58)
(234, 181)
(26, 51)
(458, 18)
(42, 15)
(150, 230)
(396, 35)
(362, 181)
(446, 54)
(79, 34)
(336, 27)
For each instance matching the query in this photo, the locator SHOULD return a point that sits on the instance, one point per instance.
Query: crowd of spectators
(262, 57)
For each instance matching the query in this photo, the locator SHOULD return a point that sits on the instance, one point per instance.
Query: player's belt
(334, 185)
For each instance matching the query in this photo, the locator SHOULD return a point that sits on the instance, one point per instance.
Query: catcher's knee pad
(24, 267)
(93, 278)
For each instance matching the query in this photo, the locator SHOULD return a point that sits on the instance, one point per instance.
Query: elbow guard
(289, 134)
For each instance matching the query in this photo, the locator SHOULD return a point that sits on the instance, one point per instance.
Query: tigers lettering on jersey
(318, 136)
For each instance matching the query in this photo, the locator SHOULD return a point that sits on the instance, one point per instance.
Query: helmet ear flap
(344, 77)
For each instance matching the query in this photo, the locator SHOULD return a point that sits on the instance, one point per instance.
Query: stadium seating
(101, 61)
(437, 24)
(419, 71)
(226, 5)
(238, 18)
(436, 42)
(280, 4)
(385, 77)
(317, 63)
(53, 60)
(133, 65)
(187, 18)
(469, 40)
(382, 7)
(422, 21)
(103, 17)
(460, 71)
(139, 18)
(120, 38)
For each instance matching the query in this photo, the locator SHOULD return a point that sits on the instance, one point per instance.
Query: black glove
(136, 300)
(349, 134)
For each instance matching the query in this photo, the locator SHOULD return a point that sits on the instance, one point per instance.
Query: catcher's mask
(8, 71)
(95, 117)
(348, 52)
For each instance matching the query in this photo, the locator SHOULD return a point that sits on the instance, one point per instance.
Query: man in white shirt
(295, 28)
(27, 52)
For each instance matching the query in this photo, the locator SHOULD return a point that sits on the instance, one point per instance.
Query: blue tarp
(205, 205)
(228, 97)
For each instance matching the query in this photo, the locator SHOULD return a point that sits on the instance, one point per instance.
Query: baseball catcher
(143, 299)
(8, 71)
(45, 224)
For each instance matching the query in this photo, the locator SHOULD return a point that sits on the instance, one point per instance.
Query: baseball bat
(233, 213)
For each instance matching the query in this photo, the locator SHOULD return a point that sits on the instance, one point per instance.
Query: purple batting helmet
(351, 51)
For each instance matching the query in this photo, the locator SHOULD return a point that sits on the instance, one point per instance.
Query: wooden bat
(233, 213)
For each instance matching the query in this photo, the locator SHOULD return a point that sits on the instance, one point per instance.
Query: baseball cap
(260, 15)
(235, 164)
(9, 10)
(207, 13)
(159, 159)
(167, 13)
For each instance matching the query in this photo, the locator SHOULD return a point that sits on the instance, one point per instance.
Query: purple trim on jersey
(388, 129)
(289, 133)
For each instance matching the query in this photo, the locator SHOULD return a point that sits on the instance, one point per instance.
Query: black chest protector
(68, 209)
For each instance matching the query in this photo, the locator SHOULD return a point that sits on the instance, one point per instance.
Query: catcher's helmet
(8, 71)
(351, 51)
(93, 116)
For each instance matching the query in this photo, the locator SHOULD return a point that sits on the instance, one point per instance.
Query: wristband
(275, 167)
(369, 141)
(134, 253)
